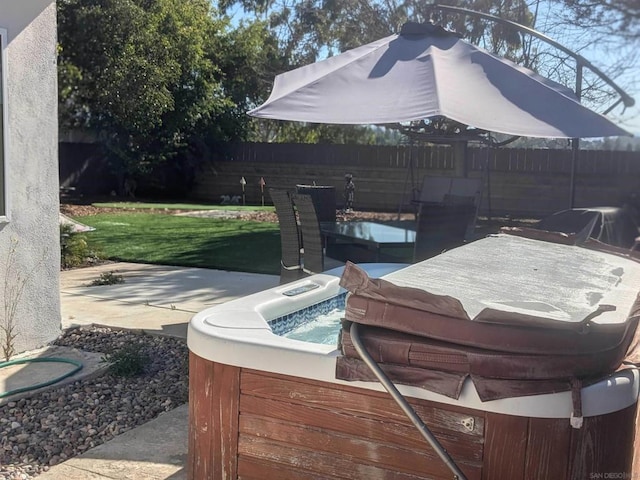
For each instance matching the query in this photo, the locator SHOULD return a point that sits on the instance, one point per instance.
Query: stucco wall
(32, 229)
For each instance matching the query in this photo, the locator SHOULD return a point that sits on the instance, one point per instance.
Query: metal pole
(406, 179)
(404, 405)
(487, 172)
(575, 143)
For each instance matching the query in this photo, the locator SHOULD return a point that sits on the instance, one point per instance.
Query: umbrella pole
(575, 154)
(487, 172)
(575, 142)
(406, 179)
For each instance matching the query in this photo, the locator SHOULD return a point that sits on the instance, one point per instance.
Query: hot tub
(265, 406)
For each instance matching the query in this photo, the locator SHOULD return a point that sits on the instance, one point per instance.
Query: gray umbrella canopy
(425, 72)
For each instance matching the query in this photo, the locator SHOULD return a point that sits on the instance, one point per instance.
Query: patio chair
(313, 259)
(291, 260)
(447, 213)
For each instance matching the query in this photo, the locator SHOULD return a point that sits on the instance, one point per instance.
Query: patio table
(362, 241)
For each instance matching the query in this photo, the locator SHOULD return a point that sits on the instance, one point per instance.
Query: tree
(309, 29)
(147, 77)
(618, 17)
(607, 33)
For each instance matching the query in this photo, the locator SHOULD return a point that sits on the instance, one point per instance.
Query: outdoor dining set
(312, 241)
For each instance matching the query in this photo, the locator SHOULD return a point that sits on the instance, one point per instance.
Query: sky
(633, 113)
(631, 117)
(604, 57)
(628, 118)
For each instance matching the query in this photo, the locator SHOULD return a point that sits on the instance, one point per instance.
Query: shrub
(75, 250)
(128, 361)
(107, 278)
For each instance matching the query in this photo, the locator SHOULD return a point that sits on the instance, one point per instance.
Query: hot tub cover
(518, 316)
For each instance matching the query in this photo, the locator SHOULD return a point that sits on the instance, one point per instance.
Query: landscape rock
(52, 426)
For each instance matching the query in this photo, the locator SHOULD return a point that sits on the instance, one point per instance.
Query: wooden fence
(516, 181)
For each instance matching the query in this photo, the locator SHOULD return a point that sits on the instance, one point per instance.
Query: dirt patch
(81, 210)
(74, 210)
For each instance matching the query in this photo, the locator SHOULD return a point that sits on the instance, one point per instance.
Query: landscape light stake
(243, 182)
(262, 183)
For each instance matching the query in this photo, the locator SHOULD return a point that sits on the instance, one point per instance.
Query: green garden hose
(78, 366)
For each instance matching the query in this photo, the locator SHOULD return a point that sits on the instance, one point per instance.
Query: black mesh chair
(311, 234)
(447, 214)
(291, 261)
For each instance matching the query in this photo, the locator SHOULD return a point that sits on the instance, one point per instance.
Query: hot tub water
(319, 323)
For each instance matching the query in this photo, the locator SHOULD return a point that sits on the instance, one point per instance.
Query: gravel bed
(53, 426)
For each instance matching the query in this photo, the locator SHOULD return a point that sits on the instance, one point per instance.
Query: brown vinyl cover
(442, 367)
(427, 340)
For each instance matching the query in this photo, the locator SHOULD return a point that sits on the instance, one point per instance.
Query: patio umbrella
(427, 71)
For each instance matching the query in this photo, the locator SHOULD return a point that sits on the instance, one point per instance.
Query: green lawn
(194, 242)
